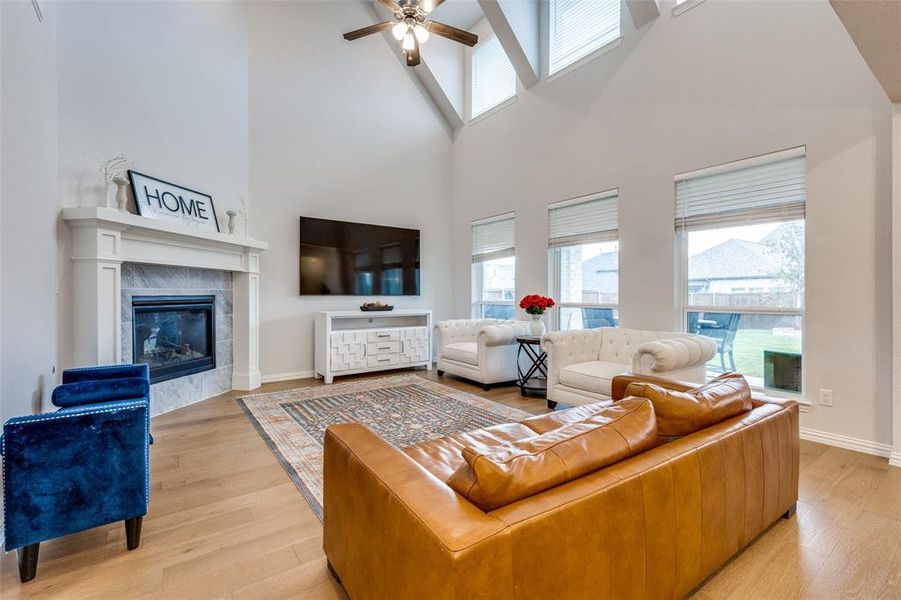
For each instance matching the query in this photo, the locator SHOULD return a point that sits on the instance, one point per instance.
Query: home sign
(158, 199)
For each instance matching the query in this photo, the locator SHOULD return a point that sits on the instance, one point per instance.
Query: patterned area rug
(403, 409)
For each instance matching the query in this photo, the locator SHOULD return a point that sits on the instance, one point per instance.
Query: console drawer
(386, 360)
(373, 348)
(384, 335)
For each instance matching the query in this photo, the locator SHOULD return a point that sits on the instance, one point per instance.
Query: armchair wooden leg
(28, 561)
(486, 387)
(440, 373)
(133, 532)
(791, 511)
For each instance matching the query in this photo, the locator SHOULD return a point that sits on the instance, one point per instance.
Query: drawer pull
(383, 335)
(384, 347)
(384, 360)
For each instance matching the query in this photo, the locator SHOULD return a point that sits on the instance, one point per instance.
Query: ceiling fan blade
(391, 5)
(428, 6)
(357, 34)
(452, 33)
(412, 56)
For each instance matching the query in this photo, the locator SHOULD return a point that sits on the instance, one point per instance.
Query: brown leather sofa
(653, 525)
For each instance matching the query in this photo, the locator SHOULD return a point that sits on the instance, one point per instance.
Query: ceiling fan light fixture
(409, 41)
(421, 32)
(399, 30)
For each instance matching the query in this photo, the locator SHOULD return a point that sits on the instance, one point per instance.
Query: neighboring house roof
(605, 262)
(601, 272)
(733, 259)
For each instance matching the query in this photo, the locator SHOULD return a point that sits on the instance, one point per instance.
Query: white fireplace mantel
(104, 238)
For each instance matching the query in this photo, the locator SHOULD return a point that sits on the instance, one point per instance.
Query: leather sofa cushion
(496, 476)
(465, 352)
(442, 456)
(680, 413)
(594, 376)
(560, 418)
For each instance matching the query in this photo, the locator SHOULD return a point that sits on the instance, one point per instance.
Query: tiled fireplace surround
(116, 255)
(158, 280)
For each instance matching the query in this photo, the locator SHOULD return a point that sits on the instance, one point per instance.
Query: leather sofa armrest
(391, 529)
(621, 382)
(502, 334)
(361, 470)
(759, 399)
(661, 356)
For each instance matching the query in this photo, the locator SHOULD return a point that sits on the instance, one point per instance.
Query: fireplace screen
(175, 335)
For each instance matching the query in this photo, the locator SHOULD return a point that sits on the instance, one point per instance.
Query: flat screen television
(356, 259)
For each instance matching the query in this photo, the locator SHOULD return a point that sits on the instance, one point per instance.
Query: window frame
(546, 74)
(473, 118)
(556, 285)
(478, 301)
(684, 5)
(684, 308)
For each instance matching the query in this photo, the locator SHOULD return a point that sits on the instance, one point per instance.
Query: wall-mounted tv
(356, 259)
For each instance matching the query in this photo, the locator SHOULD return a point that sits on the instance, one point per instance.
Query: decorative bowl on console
(376, 307)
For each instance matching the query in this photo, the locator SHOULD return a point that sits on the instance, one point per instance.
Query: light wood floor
(225, 521)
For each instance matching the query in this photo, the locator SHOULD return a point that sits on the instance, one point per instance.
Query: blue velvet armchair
(85, 465)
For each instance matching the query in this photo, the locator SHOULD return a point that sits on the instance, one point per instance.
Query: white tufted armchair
(482, 350)
(582, 364)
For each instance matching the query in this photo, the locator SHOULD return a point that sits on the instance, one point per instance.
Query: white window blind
(579, 27)
(758, 190)
(493, 77)
(583, 220)
(493, 238)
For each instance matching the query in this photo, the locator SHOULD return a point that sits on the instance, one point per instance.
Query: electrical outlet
(825, 397)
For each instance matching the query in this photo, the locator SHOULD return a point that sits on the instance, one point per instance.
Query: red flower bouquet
(535, 304)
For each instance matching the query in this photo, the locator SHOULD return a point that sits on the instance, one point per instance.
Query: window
(579, 27)
(682, 5)
(741, 229)
(584, 256)
(494, 268)
(493, 77)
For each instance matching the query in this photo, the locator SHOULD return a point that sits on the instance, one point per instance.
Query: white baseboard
(895, 459)
(274, 377)
(846, 442)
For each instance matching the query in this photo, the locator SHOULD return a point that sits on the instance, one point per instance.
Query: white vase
(231, 220)
(537, 326)
(121, 193)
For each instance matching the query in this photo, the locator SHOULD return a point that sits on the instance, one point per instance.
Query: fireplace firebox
(175, 335)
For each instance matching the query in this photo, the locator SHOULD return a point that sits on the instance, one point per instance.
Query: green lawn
(749, 347)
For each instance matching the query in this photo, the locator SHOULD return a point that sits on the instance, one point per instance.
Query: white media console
(353, 341)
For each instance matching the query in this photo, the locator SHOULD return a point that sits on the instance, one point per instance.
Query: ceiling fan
(411, 28)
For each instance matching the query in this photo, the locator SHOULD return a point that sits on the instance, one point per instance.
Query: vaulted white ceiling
(875, 27)
(459, 13)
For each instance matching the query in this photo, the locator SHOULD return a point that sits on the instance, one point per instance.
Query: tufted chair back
(619, 344)
(462, 330)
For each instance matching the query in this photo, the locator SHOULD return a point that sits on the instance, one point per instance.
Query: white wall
(164, 83)
(338, 130)
(29, 200)
(723, 81)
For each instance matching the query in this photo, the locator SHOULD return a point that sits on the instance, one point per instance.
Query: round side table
(532, 380)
